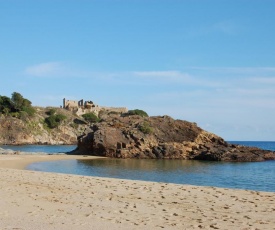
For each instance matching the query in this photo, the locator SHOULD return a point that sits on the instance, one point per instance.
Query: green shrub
(51, 122)
(90, 117)
(6, 111)
(138, 112)
(113, 112)
(51, 112)
(60, 117)
(15, 114)
(29, 110)
(146, 128)
(54, 121)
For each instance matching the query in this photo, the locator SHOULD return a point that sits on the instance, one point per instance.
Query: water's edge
(257, 176)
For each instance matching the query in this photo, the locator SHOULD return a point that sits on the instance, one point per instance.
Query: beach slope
(39, 200)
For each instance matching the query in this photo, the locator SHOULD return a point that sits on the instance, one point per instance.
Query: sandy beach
(38, 200)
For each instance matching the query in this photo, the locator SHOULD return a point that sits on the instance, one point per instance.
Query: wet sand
(22, 161)
(38, 200)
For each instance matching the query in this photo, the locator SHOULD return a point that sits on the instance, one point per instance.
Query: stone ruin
(81, 107)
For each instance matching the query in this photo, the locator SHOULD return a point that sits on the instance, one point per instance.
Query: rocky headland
(124, 135)
(33, 130)
(161, 137)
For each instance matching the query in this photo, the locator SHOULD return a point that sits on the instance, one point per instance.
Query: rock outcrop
(161, 138)
(14, 131)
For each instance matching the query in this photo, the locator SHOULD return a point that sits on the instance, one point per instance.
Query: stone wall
(115, 109)
(81, 107)
(70, 104)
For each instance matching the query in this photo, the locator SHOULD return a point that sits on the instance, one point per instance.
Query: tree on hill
(6, 105)
(22, 104)
(15, 105)
(17, 100)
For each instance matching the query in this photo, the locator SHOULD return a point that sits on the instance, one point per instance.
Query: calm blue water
(41, 148)
(258, 176)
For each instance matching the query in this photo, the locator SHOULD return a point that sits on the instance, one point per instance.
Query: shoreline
(41, 200)
(22, 161)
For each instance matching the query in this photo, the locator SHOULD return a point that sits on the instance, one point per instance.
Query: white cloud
(236, 70)
(44, 69)
(228, 27)
(164, 75)
(177, 78)
(56, 69)
(264, 80)
(160, 74)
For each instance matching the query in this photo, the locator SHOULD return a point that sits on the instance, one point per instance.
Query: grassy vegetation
(146, 128)
(90, 117)
(74, 125)
(54, 120)
(51, 112)
(137, 112)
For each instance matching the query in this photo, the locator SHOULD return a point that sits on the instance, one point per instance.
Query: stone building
(81, 107)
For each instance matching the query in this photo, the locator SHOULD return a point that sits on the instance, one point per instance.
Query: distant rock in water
(7, 152)
(161, 138)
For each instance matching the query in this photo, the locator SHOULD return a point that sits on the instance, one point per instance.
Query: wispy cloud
(264, 80)
(207, 95)
(242, 70)
(56, 69)
(164, 75)
(176, 77)
(160, 74)
(227, 27)
(218, 78)
(44, 69)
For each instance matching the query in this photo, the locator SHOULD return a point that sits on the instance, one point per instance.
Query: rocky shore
(161, 137)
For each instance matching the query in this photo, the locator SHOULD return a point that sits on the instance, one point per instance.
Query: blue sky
(205, 61)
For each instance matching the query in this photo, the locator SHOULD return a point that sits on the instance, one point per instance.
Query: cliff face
(161, 137)
(33, 130)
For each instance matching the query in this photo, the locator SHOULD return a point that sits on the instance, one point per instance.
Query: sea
(257, 176)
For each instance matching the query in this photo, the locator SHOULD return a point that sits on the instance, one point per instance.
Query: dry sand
(38, 200)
